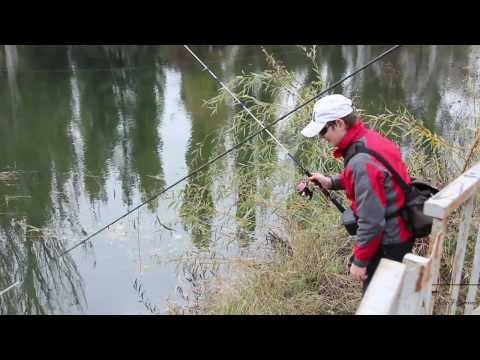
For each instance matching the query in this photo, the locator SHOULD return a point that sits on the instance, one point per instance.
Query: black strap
(361, 148)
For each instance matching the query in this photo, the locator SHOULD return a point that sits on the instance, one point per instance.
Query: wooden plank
(430, 277)
(382, 293)
(442, 204)
(474, 278)
(460, 255)
(412, 291)
(435, 244)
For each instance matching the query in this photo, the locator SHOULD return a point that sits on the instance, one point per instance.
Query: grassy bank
(307, 273)
(312, 280)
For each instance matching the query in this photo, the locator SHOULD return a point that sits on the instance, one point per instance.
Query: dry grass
(310, 279)
(309, 282)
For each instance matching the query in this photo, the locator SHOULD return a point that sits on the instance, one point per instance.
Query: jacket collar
(352, 135)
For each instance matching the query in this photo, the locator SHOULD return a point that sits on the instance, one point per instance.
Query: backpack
(416, 193)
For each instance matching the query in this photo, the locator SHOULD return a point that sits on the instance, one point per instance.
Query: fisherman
(369, 186)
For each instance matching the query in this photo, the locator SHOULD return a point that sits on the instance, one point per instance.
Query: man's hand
(358, 273)
(325, 181)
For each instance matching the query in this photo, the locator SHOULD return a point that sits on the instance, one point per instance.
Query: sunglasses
(325, 128)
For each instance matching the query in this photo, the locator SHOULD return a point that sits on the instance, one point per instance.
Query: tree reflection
(50, 283)
(197, 87)
(36, 140)
(99, 116)
(121, 93)
(146, 143)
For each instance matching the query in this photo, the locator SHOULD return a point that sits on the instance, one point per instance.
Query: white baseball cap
(328, 108)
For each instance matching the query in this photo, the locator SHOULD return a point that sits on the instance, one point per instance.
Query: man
(369, 186)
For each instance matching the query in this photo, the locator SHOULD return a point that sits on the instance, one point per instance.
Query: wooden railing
(409, 287)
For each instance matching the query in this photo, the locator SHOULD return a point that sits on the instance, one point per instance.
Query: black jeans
(394, 252)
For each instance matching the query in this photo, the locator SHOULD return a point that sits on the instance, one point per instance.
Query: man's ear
(340, 123)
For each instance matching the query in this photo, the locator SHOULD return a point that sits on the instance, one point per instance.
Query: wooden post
(381, 297)
(430, 277)
(460, 254)
(412, 290)
(474, 278)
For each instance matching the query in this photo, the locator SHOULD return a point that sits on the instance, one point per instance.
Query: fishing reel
(303, 190)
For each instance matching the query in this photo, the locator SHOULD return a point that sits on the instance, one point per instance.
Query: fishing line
(332, 198)
(199, 169)
(297, 162)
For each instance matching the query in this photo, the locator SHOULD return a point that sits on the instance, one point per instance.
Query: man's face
(334, 132)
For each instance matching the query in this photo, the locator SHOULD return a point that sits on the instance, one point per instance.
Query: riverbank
(309, 275)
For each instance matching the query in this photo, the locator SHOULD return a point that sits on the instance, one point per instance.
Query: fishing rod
(325, 192)
(332, 198)
(208, 163)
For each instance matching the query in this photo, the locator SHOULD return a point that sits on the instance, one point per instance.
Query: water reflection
(77, 119)
(196, 88)
(50, 283)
